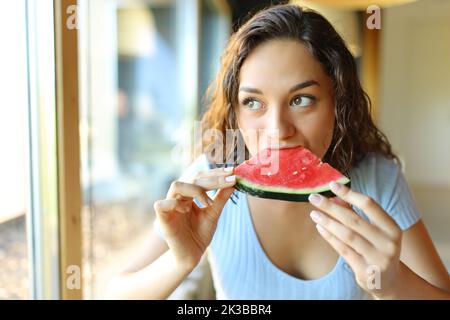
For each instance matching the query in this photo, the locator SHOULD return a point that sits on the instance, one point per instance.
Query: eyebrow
(294, 88)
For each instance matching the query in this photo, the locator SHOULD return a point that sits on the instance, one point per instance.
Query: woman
(289, 76)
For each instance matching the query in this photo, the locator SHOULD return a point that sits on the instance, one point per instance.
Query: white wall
(415, 88)
(13, 110)
(415, 106)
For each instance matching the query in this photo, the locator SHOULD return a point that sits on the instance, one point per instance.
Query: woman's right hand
(187, 228)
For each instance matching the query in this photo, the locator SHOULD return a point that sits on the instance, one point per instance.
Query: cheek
(327, 134)
(320, 133)
(329, 123)
(247, 129)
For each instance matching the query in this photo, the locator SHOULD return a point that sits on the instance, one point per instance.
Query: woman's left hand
(371, 249)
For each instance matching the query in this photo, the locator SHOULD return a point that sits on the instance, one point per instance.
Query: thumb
(221, 198)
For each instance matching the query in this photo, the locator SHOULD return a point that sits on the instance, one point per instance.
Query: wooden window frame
(54, 206)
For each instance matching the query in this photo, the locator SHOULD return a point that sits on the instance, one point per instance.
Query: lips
(290, 147)
(285, 147)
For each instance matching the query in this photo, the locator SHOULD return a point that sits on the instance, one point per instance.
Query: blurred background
(135, 72)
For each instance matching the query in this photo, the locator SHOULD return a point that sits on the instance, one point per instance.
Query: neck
(283, 208)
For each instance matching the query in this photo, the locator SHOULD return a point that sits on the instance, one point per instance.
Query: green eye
(302, 101)
(252, 104)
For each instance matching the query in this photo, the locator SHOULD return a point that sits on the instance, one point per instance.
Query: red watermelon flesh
(286, 174)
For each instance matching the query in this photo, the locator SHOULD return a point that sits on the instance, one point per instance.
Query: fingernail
(320, 229)
(315, 216)
(315, 198)
(228, 169)
(230, 178)
(209, 200)
(335, 186)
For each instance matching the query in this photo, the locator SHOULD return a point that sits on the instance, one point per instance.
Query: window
(14, 282)
(142, 67)
(139, 76)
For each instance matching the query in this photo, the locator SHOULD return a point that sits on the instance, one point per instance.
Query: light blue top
(242, 270)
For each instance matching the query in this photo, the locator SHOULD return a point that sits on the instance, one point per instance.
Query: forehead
(284, 61)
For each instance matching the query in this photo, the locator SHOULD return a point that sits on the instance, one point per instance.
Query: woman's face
(286, 98)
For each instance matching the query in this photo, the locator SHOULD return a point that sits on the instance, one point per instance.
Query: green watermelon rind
(279, 193)
(250, 185)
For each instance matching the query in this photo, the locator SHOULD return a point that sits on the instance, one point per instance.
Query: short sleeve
(400, 203)
(382, 179)
(199, 164)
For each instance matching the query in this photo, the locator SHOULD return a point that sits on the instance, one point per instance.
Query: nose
(280, 124)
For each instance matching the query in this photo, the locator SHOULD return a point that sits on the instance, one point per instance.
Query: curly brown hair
(355, 133)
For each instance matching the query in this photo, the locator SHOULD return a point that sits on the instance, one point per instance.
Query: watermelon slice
(290, 174)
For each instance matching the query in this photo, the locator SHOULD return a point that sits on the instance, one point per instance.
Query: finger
(341, 202)
(165, 205)
(373, 211)
(180, 189)
(215, 182)
(348, 236)
(355, 260)
(348, 218)
(216, 172)
(220, 199)
(170, 205)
